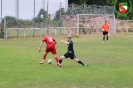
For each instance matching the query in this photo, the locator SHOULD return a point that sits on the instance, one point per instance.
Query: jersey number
(50, 39)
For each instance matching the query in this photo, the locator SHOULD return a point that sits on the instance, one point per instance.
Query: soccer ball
(49, 61)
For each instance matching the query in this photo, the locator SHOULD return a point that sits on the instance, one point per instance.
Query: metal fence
(124, 26)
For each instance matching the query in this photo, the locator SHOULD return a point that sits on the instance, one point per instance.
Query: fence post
(60, 16)
(33, 32)
(104, 9)
(24, 32)
(77, 24)
(1, 10)
(47, 17)
(41, 31)
(114, 25)
(5, 30)
(95, 9)
(17, 16)
(126, 26)
(34, 20)
(55, 31)
(84, 8)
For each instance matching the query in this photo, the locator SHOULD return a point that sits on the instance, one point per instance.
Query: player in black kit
(70, 52)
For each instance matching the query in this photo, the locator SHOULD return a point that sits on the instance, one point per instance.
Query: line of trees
(92, 2)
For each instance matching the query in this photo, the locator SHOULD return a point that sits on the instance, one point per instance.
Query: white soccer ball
(49, 61)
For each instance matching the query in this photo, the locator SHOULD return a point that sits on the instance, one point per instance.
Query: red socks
(44, 57)
(57, 60)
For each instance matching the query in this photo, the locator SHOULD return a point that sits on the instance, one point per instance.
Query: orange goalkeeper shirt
(105, 27)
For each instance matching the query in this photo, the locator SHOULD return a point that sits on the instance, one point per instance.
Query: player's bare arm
(102, 29)
(64, 42)
(40, 46)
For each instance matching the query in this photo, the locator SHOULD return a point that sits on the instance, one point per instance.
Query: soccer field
(110, 64)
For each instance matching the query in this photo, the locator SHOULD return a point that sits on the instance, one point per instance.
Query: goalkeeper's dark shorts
(105, 32)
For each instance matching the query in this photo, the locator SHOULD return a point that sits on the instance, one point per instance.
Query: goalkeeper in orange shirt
(105, 28)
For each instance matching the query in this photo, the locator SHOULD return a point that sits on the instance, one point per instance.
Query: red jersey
(50, 42)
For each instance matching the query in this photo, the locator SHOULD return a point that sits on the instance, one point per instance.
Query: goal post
(94, 22)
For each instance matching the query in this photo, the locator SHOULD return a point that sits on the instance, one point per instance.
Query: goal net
(83, 24)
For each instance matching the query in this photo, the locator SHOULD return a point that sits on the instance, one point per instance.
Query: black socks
(60, 61)
(103, 38)
(80, 62)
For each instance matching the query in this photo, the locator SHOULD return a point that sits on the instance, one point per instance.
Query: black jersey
(70, 47)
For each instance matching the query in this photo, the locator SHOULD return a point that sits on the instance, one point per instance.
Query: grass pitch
(110, 64)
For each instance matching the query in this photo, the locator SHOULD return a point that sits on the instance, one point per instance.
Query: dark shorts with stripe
(105, 32)
(70, 55)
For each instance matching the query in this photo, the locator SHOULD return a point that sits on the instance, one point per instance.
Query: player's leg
(79, 61)
(103, 36)
(66, 55)
(76, 59)
(72, 56)
(107, 36)
(61, 59)
(57, 60)
(53, 51)
(44, 57)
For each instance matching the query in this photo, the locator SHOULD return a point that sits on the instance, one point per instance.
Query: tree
(58, 13)
(10, 21)
(78, 1)
(73, 11)
(110, 2)
(92, 2)
(42, 15)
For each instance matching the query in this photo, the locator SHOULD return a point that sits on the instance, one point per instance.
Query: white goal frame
(99, 19)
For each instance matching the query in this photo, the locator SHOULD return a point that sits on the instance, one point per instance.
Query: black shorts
(70, 55)
(105, 32)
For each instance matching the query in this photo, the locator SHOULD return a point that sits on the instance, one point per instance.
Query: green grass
(110, 64)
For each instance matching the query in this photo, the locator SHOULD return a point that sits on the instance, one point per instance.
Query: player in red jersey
(50, 47)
